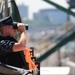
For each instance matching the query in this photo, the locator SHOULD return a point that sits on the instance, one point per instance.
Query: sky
(36, 5)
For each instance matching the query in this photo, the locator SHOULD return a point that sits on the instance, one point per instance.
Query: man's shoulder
(7, 38)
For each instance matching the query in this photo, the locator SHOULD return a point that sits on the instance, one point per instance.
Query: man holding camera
(11, 50)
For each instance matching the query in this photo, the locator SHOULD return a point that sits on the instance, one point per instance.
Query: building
(23, 9)
(55, 16)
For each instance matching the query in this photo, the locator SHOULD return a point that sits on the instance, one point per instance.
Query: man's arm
(21, 45)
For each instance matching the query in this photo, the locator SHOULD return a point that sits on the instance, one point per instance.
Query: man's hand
(21, 27)
(23, 40)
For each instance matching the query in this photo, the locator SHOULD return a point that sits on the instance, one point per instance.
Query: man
(11, 51)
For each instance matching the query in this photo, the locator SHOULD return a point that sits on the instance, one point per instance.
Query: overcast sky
(36, 5)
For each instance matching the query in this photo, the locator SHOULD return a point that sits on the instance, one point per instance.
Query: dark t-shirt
(7, 56)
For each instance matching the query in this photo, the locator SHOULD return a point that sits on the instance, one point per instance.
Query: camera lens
(15, 26)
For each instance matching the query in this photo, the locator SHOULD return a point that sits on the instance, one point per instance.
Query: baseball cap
(8, 21)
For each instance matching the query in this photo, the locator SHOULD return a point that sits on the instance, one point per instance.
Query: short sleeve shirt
(5, 45)
(7, 56)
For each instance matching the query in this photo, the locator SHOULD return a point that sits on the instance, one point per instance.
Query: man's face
(10, 31)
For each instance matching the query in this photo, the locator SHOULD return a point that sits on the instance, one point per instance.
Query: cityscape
(51, 35)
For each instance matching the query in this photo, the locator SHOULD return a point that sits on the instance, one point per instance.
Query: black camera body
(15, 26)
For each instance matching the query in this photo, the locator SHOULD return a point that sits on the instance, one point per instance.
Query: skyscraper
(23, 9)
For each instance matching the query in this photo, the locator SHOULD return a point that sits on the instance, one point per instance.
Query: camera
(15, 26)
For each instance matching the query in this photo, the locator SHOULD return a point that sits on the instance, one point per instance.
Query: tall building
(23, 9)
(55, 16)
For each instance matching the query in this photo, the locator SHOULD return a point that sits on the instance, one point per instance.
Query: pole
(6, 12)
